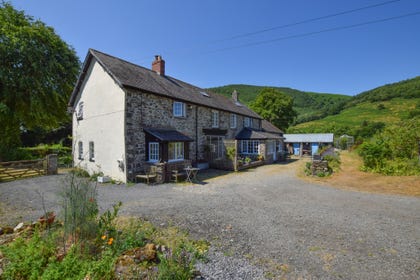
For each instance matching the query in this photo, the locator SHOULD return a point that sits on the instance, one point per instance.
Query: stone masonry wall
(150, 110)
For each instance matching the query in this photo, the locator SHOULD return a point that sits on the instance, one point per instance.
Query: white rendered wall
(102, 123)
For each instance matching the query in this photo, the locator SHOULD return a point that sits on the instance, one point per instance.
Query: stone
(146, 253)
(19, 227)
(7, 230)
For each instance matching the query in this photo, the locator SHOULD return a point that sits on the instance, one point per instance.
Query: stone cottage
(126, 117)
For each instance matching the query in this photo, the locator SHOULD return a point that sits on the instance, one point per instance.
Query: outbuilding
(307, 144)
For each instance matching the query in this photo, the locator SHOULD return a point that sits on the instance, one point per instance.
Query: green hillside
(387, 104)
(309, 105)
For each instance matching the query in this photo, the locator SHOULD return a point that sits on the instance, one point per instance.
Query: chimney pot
(158, 65)
(235, 95)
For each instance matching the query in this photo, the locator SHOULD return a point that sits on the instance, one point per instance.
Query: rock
(124, 266)
(19, 227)
(7, 230)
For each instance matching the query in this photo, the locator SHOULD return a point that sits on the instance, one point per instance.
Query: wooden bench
(149, 174)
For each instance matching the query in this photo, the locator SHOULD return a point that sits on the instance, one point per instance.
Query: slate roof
(129, 75)
(309, 138)
(168, 135)
(248, 133)
(269, 127)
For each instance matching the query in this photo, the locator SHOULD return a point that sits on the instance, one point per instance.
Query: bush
(393, 151)
(333, 162)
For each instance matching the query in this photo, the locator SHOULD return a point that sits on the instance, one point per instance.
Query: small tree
(276, 107)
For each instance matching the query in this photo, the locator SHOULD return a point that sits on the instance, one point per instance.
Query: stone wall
(150, 110)
(319, 166)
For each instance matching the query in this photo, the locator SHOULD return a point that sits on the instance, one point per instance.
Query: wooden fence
(13, 170)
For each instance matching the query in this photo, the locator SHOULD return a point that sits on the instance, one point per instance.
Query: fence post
(52, 164)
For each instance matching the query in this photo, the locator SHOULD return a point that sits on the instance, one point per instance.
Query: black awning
(248, 133)
(214, 131)
(168, 135)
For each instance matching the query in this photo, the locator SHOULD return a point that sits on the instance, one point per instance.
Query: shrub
(80, 209)
(393, 151)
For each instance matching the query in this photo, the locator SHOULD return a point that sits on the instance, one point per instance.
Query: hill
(309, 105)
(386, 104)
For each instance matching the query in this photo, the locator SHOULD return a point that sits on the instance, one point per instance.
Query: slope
(309, 105)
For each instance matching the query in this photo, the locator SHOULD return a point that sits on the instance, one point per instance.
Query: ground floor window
(250, 147)
(91, 151)
(153, 151)
(176, 151)
(80, 149)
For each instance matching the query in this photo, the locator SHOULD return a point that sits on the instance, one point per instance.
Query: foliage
(308, 105)
(80, 209)
(407, 89)
(393, 151)
(333, 162)
(37, 74)
(351, 120)
(275, 107)
(230, 153)
(96, 242)
(27, 258)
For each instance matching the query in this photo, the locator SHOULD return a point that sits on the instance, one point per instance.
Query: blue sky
(195, 39)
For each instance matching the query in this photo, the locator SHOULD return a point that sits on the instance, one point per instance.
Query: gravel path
(264, 222)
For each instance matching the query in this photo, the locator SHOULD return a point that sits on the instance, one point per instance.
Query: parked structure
(126, 117)
(307, 144)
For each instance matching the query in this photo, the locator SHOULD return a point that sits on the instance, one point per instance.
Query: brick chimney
(159, 65)
(235, 96)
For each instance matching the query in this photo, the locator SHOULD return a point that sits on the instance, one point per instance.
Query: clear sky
(218, 42)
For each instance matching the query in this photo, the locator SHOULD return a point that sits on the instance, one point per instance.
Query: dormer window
(247, 122)
(79, 111)
(232, 120)
(179, 109)
(215, 119)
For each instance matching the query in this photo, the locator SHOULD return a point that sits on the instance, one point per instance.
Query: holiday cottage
(127, 117)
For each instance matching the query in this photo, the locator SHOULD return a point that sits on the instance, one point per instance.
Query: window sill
(175, 160)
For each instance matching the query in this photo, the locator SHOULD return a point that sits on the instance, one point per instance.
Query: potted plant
(248, 160)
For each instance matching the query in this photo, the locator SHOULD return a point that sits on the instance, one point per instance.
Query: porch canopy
(168, 135)
(251, 134)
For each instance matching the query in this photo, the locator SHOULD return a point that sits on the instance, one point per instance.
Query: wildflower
(110, 241)
(103, 237)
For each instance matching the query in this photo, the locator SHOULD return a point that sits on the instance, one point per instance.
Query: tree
(37, 74)
(274, 106)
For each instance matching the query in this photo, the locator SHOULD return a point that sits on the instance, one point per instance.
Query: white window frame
(91, 151)
(80, 149)
(215, 119)
(153, 151)
(178, 152)
(233, 120)
(250, 147)
(247, 122)
(178, 109)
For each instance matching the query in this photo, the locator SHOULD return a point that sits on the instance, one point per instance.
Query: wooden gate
(13, 170)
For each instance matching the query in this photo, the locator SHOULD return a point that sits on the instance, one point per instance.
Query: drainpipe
(196, 133)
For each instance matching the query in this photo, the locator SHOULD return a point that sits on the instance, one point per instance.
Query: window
(179, 109)
(176, 151)
(250, 147)
(215, 119)
(80, 149)
(91, 151)
(153, 151)
(232, 120)
(79, 113)
(247, 122)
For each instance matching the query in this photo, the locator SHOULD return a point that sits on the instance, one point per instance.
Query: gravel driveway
(264, 222)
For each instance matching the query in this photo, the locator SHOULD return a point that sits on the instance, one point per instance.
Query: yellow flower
(103, 237)
(110, 241)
